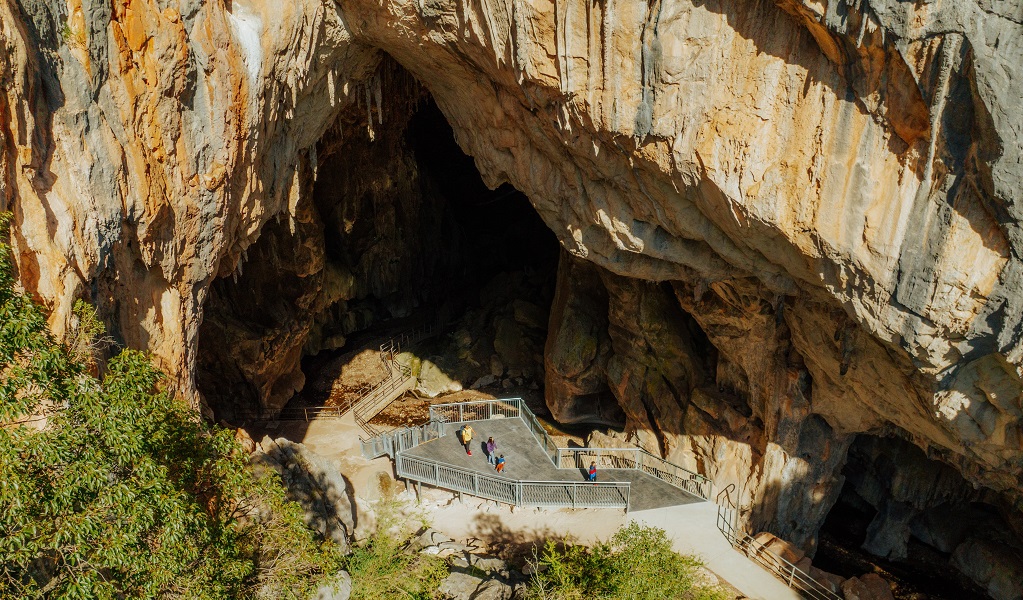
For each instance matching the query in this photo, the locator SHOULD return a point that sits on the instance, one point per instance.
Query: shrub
(112, 488)
(386, 566)
(637, 563)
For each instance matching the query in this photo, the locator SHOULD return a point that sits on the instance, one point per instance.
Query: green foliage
(637, 563)
(112, 488)
(385, 566)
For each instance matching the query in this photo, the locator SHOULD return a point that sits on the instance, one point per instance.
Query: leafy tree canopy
(112, 488)
(637, 563)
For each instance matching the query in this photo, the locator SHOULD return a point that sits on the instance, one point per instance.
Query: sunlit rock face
(146, 144)
(794, 221)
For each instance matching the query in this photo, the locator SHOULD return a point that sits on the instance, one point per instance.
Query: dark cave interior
(394, 227)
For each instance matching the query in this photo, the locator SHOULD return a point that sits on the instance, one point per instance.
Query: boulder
(994, 566)
(315, 483)
(867, 587)
(338, 588)
(829, 580)
(494, 589)
(435, 380)
(429, 537)
(460, 586)
(482, 382)
(780, 547)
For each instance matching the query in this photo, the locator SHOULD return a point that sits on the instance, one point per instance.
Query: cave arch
(391, 221)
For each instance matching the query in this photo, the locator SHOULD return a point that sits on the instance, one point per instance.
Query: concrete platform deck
(526, 461)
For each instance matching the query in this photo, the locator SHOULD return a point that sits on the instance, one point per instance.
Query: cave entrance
(394, 228)
(916, 521)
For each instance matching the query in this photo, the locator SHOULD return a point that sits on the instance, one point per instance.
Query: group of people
(465, 435)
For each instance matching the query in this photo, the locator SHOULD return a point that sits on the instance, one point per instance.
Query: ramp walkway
(371, 399)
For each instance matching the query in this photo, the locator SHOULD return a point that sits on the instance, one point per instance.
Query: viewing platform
(539, 473)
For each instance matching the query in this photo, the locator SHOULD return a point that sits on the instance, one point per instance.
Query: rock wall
(146, 144)
(820, 199)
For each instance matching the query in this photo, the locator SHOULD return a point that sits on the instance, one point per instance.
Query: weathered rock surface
(805, 216)
(339, 588)
(867, 587)
(316, 484)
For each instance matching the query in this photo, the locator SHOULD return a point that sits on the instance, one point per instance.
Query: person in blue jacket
(593, 471)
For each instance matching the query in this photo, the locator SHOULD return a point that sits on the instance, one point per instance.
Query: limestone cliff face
(146, 144)
(814, 206)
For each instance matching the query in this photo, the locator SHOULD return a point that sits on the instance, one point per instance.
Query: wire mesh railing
(574, 494)
(367, 400)
(399, 440)
(476, 410)
(675, 475)
(370, 405)
(614, 458)
(793, 576)
(539, 434)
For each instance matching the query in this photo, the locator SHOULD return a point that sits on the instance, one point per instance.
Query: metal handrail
(575, 494)
(399, 440)
(370, 392)
(758, 552)
(670, 473)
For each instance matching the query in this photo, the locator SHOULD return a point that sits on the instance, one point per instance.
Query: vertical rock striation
(785, 222)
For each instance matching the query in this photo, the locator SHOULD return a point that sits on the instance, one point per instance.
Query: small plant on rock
(386, 566)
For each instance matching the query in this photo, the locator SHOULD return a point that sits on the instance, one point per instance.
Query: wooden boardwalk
(527, 461)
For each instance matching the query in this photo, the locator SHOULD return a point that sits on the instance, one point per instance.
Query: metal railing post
(459, 413)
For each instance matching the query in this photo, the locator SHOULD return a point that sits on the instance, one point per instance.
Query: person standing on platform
(491, 446)
(500, 464)
(593, 472)
(466, 436)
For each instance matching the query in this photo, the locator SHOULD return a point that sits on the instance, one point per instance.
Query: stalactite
(379, 98)
(591, 60)
(606, 67)
(864, 19)
(519, 40)
(561, 38)
(369, 112)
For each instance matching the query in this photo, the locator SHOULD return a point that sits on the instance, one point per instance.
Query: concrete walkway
(693, 530)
